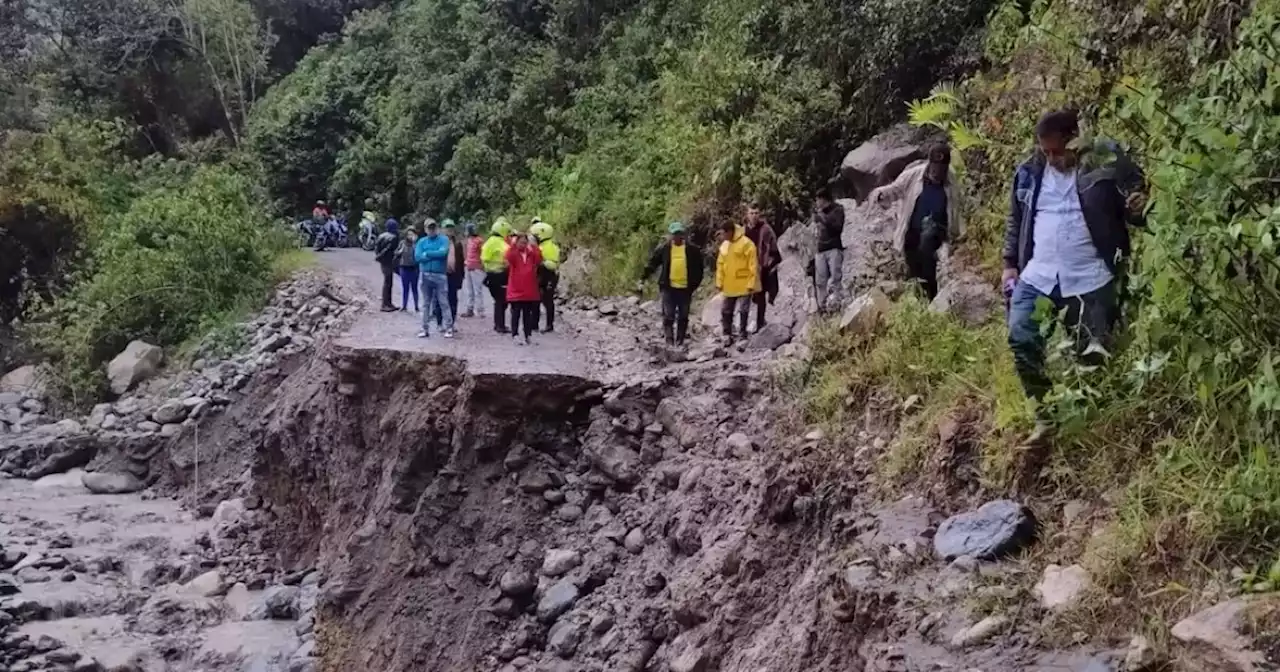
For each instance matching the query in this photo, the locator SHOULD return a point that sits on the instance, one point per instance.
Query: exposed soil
(589, 503)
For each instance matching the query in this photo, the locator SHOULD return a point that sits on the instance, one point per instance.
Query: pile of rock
(150, 407)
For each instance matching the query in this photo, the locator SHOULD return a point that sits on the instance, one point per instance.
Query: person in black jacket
(681, 272)
(829, 262)
(384, 252)
(1066, 241)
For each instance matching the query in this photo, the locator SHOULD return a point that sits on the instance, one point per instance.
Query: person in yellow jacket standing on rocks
(549, 272)
(737, 277)
(493, 257)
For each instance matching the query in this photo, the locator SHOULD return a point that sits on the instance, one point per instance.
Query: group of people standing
(746, 275)
(1066, 242)
(520, 271)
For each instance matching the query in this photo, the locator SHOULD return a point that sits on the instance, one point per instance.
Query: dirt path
(476, 343)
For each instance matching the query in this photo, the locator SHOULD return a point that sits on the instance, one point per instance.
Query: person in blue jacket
(432, 254)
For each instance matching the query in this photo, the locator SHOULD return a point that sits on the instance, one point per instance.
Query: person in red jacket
(523, 260)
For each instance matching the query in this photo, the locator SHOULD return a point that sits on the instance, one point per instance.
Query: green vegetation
(155, 249)
(1179, 429)
(605, 119)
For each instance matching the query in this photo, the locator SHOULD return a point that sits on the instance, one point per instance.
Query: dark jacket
(385, 245)
(1105, 175)
(661, 261)
(830, 227)
(384, 248)
(459, 274)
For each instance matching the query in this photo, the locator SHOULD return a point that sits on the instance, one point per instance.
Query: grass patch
(931, 359)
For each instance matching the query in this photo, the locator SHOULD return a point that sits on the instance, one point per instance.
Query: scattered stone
(864, 314)
(858, 577)
(1062, 587)
(564, 637)
(771, 337)
(979, 632)
(557, 600)
(280, 602)
(634, 541)
(24, 380)
(553, 496)
(8, 585)
(170, 412)
(208, 584)
(602, 622)
(559, 562)
(995, 529)
(104, 483)
(740, 445)
(535, 481)
(148, 427)
(692, 659)
(969, 298)
(815, 435)
(517, 583)
(1140, 655)
(138, 362)
(1217, 637)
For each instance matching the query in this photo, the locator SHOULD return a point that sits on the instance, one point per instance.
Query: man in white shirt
(1066, 240)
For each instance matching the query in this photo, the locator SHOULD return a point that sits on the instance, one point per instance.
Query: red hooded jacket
(522, 273)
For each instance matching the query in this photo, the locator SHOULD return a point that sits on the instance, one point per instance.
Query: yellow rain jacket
(737, 269)
(493, 255)
(550, 254)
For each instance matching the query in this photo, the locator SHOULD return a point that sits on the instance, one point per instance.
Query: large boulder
(110, 483)
(880, 160)
(138, 362)
(25, 380)
(1219, 639)
(993, 530)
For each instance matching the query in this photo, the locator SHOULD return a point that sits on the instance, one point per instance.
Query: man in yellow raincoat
(737, 277)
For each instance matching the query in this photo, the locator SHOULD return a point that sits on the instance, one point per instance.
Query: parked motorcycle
(368, 232)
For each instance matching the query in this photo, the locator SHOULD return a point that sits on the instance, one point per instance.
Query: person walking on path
(474, 269)
(829, 262)
(929, 214)
(1065, 241)
(408, 269)
(680, 270)
(432, 255)
(493, 258)
(549, 272)
(737, 278)
(523, 261)
(767, 257)
(384, 252)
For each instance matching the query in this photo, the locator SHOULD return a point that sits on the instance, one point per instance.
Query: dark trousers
(740, 304)
(548, 281)
(388, 271)
(453, 304)
(675, 314)
(922, 245)
(408, 286)
(1089, 317)
(526, 313)
(497, 284)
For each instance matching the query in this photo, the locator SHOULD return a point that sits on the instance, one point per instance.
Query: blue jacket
(1105, 175)
(432, 254)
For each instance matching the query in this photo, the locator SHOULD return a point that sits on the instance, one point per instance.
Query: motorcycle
(368, 234)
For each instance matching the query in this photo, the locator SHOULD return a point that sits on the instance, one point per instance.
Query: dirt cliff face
(484, 522)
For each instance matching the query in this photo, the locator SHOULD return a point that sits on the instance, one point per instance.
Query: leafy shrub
(190, 247)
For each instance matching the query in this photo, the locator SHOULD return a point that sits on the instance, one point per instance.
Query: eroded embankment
(501, 522)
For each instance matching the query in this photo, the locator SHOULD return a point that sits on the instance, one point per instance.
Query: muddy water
(109, 583)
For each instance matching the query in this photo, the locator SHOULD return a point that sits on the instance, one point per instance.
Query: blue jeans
(409, 285)
(435, 296)
(1089, 316)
